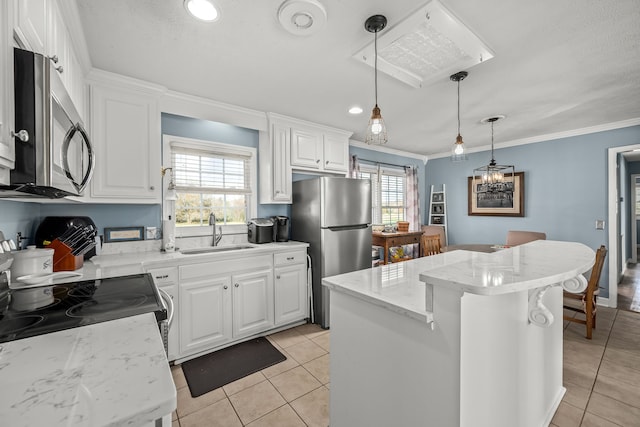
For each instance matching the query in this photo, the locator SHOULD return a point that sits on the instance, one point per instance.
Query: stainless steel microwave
(53, 155)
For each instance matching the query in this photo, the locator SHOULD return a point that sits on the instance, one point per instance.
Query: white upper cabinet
(40, 26)
(336, 153)
(294, 145)
(125, 131)
(32, 23)
(7, 153)
(306, 148)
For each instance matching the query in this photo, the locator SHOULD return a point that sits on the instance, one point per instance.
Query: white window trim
(374, 169)
(168, 206)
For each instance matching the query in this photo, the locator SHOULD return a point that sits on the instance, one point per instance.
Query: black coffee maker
(280, 228)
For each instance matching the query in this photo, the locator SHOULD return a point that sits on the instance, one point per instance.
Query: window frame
(168, 207)
(375, 170)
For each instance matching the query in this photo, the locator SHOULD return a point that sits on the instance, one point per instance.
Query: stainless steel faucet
(216, 236)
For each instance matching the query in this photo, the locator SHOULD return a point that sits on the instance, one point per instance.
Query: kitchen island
(108, 374)
(457, 339)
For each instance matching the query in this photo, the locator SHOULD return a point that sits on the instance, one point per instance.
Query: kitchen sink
(214, 249)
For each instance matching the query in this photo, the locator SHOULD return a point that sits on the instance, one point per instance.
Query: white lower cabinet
(290, 293)
(290, 287)
(221, 302)
(252, 302)
(205, 314)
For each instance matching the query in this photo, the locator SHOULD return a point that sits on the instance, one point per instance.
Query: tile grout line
(595, 380)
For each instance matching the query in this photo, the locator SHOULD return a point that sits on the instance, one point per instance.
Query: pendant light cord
(375, 67)
(458, 106)
(492, 159)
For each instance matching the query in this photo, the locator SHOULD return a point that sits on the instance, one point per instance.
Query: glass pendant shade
(376, 130)
(376, 133)
(493, 178)
(458, 153)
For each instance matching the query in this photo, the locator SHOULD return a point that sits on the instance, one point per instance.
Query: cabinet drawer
(287, 258)
(193, 271)
(164, 276)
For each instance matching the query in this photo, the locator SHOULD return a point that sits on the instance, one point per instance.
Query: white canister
(32, 261)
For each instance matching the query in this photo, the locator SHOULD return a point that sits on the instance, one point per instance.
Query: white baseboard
(604, 302)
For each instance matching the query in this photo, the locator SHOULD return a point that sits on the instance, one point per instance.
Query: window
(388, 192)
(209, 177)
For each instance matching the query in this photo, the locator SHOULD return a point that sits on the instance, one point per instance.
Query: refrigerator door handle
(349, 227)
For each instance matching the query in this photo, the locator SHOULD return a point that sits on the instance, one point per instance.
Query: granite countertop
(107, 374)
(400, 287)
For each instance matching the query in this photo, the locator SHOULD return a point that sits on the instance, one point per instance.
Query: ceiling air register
(428, 44)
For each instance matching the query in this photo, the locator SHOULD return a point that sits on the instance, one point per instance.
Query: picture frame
(437, 220)
(437, 197)
(123, 234)
(504, 203)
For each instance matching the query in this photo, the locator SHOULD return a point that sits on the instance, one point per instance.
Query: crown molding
(383, 149)
(549, 137)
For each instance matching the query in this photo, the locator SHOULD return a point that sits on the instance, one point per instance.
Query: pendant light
(457, 151)
(493, 178)
(376, 130)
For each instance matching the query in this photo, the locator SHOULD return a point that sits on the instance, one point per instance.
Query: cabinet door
(306, 148)
(336, 153)
(290, 290)
(7, 153)
(58, 44)
(126, 134)
(252, 303)
(205, 314)
(31, 24)
(281, 164)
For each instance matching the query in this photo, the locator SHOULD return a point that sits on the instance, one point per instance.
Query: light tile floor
(602, 377)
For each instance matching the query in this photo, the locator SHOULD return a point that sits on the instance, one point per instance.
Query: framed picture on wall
(503, 199)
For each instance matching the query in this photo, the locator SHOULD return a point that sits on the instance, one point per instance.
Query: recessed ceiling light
(204, 10)
(355, 110)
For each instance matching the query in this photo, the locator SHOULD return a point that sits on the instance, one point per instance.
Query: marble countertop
(401, 288)
(107, 374)
(126, 263)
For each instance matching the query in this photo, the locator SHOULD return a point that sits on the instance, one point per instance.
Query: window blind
(203, 171)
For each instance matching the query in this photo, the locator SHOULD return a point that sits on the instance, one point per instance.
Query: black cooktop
(35, 311)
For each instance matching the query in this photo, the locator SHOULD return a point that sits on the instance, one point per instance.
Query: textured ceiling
(559, 66)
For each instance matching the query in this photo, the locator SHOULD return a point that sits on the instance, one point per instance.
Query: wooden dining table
(398, 238)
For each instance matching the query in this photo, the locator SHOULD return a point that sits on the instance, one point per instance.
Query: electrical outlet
(599, 224)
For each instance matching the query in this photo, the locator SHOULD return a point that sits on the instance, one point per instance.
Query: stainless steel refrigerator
(334, 216)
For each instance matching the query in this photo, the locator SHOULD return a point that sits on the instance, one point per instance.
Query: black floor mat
(221, 367)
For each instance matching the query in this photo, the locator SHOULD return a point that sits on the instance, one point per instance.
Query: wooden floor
(629, 289)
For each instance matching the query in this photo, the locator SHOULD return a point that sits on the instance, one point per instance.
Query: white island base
(484, 363)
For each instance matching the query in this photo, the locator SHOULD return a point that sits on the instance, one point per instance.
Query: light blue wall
(565, 190)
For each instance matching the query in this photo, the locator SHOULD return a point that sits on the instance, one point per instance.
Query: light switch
(599, 224)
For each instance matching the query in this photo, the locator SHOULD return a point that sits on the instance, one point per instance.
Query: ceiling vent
(429, 44)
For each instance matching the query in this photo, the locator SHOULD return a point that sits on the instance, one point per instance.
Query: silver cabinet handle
(225, 287)
(327, 162)
(54, 58)
(237, 285)
(152, 188)
(22, 135)
(289, 258)
(278, 276)
(60, 69)
(318, 161)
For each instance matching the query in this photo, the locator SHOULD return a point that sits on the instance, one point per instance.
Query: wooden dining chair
(430, 244)
(518, 237)
(585, 302)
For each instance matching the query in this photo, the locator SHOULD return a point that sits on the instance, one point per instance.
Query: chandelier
(493, 178)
